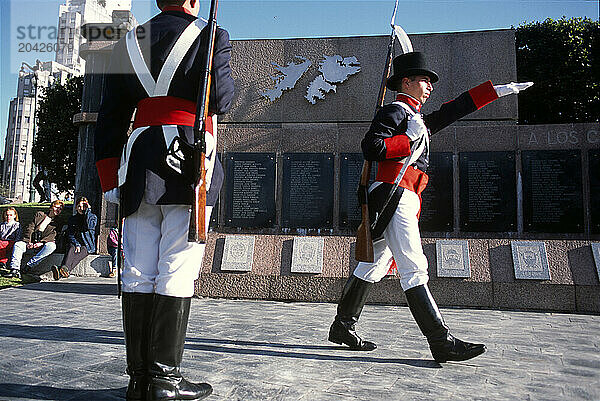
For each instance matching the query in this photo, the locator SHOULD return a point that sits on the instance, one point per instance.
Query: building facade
(511, 215)
(72, 15)
(18, 171)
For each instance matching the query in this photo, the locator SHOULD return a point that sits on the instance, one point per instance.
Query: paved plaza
(63, 341)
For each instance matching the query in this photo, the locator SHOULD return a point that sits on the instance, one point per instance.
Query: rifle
(364, 240)
(197, 228)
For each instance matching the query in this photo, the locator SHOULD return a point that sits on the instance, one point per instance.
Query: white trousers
(158, 257)
(401, 243)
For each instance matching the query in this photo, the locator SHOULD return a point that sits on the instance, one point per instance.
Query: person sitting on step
(40, 233)
(10, 232)
(81, 236)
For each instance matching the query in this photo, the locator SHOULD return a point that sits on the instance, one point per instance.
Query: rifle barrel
(197, 226)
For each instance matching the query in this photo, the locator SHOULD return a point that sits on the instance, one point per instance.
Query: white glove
(112, 195)
(513, 87)
(416, 127)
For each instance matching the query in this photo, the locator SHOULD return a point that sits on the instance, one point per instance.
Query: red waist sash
(414, 179)
(167, 110)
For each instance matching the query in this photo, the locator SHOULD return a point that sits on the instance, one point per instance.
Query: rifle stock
(364, 241)
(197, 227)
(197, 230)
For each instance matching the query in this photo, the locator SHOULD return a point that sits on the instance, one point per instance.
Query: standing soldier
(400, 134)
(157, 68)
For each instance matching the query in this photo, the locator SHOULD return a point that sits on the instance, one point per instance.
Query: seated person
(39, 234)
(81, 238)
(10, 232)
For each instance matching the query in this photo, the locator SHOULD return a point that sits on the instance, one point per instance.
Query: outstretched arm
(470, 101)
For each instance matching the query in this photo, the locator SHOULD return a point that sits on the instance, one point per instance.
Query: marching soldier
(156, 68)
(400, 134)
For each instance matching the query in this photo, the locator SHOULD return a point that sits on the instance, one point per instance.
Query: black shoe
(454, 349)
(177, 388)
(339, 333)
(443, 345)
(165, 351)
(55, 272)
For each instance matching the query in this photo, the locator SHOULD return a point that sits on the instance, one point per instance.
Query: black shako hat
(408, 64)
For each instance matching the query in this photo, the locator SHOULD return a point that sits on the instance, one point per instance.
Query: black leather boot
(137, 311)
(443, 345)
(343, 329)
(167, 338)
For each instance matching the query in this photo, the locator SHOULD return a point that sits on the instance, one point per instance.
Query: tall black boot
(137, 310)
(443, 345)
(167, 338)
(343, 329)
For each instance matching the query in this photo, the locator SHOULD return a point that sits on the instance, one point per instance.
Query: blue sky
(248, 19)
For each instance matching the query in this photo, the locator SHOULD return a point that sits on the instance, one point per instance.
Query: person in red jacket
(156, 69)
(400, 134)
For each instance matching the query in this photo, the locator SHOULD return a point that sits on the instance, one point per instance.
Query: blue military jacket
(148, 174)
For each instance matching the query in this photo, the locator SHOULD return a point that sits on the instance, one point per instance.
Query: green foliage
(55, 145)
(557, 56)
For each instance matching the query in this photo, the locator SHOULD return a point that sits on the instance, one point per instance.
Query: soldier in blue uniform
(400, 134)
(156, 70)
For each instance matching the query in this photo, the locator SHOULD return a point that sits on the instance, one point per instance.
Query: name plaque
(596, 252)
(350, 171)
(250, 190)
(307, 255)
(307, 190)
(594, 173)
(437, 211)
(552, 191)
(453, 258)
(238, 253)
(530, 261)
(488, 194)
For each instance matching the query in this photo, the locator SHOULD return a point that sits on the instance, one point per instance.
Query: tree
(55, 145)
(558, 57)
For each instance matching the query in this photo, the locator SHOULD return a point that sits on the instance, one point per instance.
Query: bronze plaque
(249, 190)
(552, 191)
(307, 190)
(488, 195)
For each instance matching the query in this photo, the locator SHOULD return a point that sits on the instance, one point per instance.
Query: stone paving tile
(64, 341)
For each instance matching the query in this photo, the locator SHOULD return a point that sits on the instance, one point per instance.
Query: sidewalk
(63, 341)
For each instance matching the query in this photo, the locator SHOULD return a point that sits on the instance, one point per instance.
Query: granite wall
(573, 287)
(574, 284)
(335, 124)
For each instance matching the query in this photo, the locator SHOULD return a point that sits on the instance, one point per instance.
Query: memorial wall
(510, 218)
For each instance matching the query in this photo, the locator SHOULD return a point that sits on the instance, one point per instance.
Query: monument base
(573, 285)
